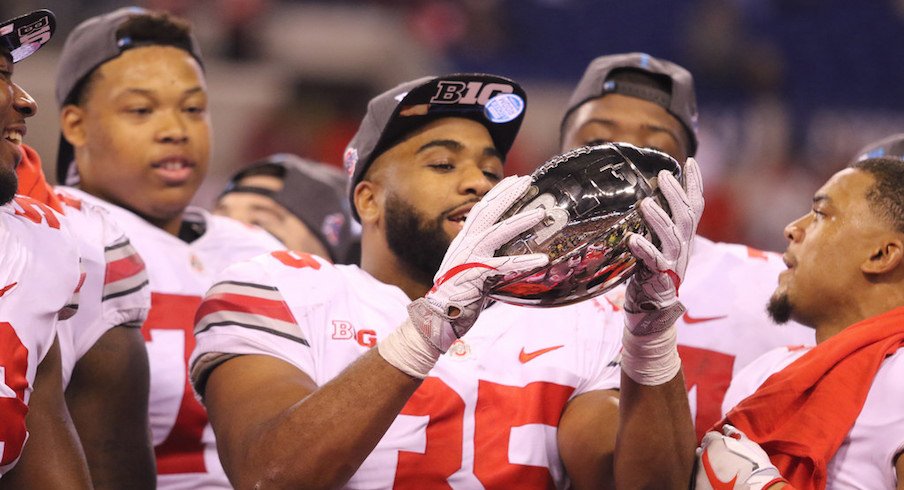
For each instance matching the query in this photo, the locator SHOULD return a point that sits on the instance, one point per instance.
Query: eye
(140, 111)
(596, 142)
(492, 176)
(442, 166)
(196, 109)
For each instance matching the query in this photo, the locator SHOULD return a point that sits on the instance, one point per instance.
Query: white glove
(458, 295)
(732, 460)
(651, 299)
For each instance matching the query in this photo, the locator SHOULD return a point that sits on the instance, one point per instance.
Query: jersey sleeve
(126, 297)
(247, 311)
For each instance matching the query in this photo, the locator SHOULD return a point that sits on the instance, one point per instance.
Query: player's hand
(732, 460)
(651, 299)
(458, 295)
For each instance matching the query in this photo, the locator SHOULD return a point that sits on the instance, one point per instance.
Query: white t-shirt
(866, 458)
(115, 291)
(179, 273)
(486, 415)
(39, 272)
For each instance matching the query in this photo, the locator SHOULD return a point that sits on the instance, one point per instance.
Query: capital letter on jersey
(13, 366)
(448, 92)
(710, 373)
(366, 338)
(343, 330)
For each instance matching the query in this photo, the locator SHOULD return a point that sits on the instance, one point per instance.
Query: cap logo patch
(36, 32)
(503, 108)
(332, 227)
(350, 160)
(468, 93)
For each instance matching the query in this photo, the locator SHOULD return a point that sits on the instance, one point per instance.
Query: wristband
(652, 359)
(407, 349)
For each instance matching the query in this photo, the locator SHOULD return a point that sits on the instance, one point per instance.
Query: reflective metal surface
(591, 196)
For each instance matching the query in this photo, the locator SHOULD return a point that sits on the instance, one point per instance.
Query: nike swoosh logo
(526, 357)
(7, 288)
(693, 319)
(714, 480)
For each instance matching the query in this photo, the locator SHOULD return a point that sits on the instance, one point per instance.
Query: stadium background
(788, 89)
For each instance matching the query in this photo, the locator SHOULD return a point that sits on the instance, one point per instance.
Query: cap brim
(23, 36)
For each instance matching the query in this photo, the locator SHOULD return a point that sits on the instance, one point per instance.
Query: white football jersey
(866, 458)
(115, 291)
(179, 273)
(725, 290)
(39, 272)
(487, 414)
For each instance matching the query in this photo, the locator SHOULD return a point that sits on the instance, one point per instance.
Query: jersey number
(168, 332)
(13, 366)
(495, 425)
(708, 374)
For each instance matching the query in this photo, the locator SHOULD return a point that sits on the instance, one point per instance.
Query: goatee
(9, 184)
(779, 308)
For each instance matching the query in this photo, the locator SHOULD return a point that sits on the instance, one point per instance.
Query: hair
(152, 29)
(886, 198)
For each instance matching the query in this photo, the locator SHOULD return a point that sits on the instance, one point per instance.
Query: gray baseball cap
(892, 147)
(666, 84)
(25, 34)
(93, 43)
(313, 192)
(496, 102)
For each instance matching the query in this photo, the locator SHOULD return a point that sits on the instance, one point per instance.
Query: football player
(829, 415)
(136, 141)
(105, 363)
(326, 375)
(300, 202)
(649, 102)
(39, 273)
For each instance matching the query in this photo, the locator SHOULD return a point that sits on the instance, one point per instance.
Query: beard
(420, 243)
(779, 308)
(9, 184)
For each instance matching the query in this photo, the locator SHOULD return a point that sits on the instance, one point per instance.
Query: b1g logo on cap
(455, 92)
(36, 32)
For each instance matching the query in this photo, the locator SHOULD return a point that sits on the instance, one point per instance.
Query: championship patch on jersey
(242, 304)
(125, 272)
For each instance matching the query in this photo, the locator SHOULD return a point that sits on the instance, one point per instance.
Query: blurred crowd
(787, 88)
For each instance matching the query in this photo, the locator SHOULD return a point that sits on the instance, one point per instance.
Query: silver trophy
(591, 195)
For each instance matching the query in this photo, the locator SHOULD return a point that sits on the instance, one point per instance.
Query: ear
(885, 258)
(368, 197)
(72, 125)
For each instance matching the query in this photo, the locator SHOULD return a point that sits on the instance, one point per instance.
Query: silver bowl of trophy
(591, 196)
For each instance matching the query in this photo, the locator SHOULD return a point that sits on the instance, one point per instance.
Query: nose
(794, 231)
(173, 128)
(475, 181)
(23, 102)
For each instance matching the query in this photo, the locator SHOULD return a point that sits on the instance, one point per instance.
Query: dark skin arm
(656, 440)
(586, 439)
(52, 457)
(276, 428)
(899, 471)
(108, 399)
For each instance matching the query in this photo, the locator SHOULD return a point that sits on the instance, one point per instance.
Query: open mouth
(14, 136)
(174, 170)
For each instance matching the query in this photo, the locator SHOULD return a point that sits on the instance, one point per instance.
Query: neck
(171, 225)
(379, 261)
(873, 300)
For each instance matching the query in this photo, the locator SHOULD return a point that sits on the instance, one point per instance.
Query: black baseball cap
(642, 76)
(25, 34)
(891, 147)
(314, 193)
(496, 102)
(91, 44)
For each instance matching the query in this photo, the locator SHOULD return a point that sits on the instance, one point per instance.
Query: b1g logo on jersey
(455, 92)
(343, 330)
